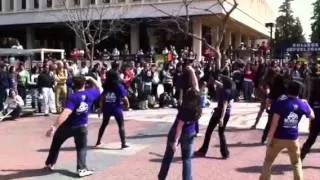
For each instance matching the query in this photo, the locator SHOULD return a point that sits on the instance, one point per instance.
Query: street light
(271, 26)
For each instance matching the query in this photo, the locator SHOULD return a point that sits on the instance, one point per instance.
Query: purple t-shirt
(80, 103)
(189, 127)
(225, 95)
(291, 111)
(113, 98)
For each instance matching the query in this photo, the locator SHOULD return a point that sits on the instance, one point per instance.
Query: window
(36, 4)
(106, 1)
(49, 3)
(11, 5)
(0, 5)
(92, 1)
(76, 2)
(23, 4)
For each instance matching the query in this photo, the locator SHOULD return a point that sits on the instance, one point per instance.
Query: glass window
(76, 2)
(49, 3)
(92, 1)
(0, 5)
(36, 4)
(106, 1)
(11, 5)
(23, 4)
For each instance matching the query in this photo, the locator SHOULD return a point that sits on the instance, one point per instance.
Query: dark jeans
(186, 143)
(22, 91)
(247, 90)
(168, 88)
(118, 114)
(3, 96)
(267, 128)
(214, 121)
(16, 113)
(314, 132)
(155, 91)
(80, 138)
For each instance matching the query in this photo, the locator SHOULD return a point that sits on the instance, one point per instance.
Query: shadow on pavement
(74, 149)
(160, 157)
(276, 169)
(33, 173)
(145, 136)
(240, 144)
(311, 151)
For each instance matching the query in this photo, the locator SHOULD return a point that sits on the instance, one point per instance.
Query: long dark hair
(111, 81)
(191, 109)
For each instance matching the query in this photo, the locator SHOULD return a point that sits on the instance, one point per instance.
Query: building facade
(39, 23)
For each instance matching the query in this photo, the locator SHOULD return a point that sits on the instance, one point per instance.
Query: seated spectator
(13, 105)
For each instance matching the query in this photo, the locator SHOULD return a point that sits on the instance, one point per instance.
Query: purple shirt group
(291, 111)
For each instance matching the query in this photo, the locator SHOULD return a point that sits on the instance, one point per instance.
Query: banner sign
(304, 47)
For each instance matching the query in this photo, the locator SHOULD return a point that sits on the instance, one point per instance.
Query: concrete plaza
(24, 148)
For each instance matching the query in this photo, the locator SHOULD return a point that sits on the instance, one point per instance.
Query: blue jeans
(247, 90)
(186, 142)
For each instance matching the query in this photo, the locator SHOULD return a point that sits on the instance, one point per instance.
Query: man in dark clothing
(5, 84)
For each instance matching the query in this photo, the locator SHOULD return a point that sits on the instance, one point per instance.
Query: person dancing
(220, 116)
(183, 132)
(114, 95)
(73, 122)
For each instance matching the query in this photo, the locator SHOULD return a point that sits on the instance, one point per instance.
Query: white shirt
(84, 71)
(10, 103)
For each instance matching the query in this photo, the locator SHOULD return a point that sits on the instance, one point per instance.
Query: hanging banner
(304, 47)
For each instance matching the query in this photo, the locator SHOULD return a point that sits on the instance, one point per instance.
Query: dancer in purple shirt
(73, 122)
(111, 102)
(182, 132)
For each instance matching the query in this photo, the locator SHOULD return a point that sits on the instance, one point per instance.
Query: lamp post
(271, 26)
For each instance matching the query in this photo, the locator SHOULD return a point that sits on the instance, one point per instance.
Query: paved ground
(24, 149)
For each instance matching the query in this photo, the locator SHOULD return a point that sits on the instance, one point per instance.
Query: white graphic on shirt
(291, 121)
(83, 108)
(110, 97)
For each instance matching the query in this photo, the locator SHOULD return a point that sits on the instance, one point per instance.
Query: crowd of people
(188, 85)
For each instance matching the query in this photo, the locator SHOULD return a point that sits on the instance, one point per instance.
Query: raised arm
(96, 83)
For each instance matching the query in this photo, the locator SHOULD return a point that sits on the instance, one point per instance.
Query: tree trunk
(91, 56)
(218, 58)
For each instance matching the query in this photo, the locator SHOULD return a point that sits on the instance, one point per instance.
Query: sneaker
(46, 115)
(49, 167)
(84, 172)
(124, 146)
(199, 154)
(100, 145)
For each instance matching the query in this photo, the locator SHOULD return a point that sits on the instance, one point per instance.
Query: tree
(288, 28)
(89, 24)
(315, 26)
(183, 21)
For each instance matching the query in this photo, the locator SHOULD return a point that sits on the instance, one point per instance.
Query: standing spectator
(60, 77)
(178, 81)
(248, 83)
(45, 85)
(33, 87)
(146, 76)
(84, 68)
(167, 80)
(13, 104)
(5, 84)
(23, 81)
(155, 82)
(13, 78)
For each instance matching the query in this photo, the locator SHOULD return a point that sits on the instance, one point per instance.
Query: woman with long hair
(220, 117)
(13, 105)
(111, 103)
(182, 132)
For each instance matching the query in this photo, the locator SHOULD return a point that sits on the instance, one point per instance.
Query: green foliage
(315, 26)
(288, 28)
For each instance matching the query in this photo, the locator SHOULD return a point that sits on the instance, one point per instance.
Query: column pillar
(227, 39)
(134, 38)
(5, 5)
(253, 42)
(238, 40)
(42, 4)
(197, 44)
(30, 38)
(246, 40)
(30, 4)
(17, 5)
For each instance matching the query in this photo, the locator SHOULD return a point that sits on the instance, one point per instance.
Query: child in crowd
(182, 132)
(204, 95)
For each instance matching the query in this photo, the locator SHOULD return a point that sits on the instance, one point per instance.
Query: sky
(301, 8)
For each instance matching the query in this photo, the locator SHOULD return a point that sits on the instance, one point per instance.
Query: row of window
(36, 3)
